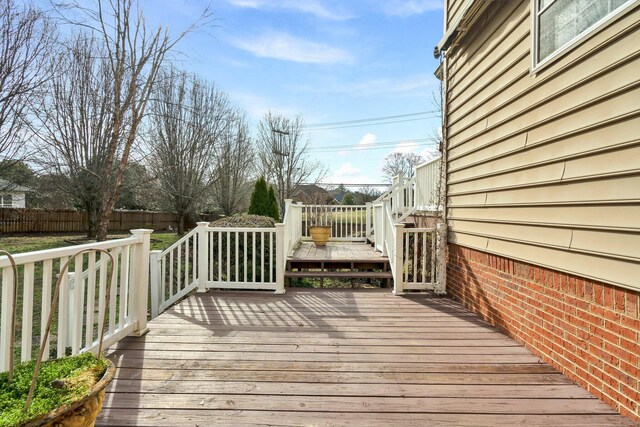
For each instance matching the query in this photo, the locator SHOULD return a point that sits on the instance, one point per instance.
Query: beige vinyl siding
(545, 168)
(453, 8)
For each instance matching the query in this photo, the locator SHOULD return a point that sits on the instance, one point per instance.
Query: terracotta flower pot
(320, 234)
(83, 412)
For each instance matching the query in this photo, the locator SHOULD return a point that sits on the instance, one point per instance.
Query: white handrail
(77, 321)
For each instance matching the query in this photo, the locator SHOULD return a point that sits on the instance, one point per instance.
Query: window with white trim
(559, 23)
(6, 200)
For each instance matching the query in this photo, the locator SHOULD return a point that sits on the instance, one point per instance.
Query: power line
(419, 113)
(374, 146)
(371, 124)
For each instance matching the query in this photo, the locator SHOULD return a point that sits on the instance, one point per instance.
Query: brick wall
(589, 331)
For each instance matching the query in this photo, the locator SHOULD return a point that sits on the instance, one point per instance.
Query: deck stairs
(348, 261)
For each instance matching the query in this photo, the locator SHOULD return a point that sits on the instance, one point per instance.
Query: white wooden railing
(81, 302)
(174, 272)
(427, 178)
(348, 222)
(218, 258)
(242, 258)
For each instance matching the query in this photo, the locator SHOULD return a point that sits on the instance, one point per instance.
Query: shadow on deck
(336, 357)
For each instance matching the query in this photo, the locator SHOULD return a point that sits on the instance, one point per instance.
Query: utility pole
(279, 149)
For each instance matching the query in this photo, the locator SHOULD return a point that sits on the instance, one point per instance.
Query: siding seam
(564, 92)
(576, 132)
(544, 224)
(548, 183)
(622, 90)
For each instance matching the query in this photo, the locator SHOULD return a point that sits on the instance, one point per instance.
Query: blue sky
(329, 60)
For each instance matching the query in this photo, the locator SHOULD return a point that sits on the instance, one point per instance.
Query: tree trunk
(181, 220)
(92, 221)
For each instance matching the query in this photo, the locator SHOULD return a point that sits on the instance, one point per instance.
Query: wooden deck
(336, 251)
(336, 357)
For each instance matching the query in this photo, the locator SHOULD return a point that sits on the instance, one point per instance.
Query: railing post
(383, 231)
(281, 259)
(367, 228)
(154, 282)
(71, 304)
(398, 267)
(139, 284)
(203, 256)
(287, 206)
(7, 321)
(441, 285)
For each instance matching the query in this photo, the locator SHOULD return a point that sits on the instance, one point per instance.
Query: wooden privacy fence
(58, 221)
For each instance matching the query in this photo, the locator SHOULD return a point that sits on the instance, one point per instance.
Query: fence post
(139, 284)
(441, 285)
(154, 282)
(203, 256)
(281, 259)
(398, 267)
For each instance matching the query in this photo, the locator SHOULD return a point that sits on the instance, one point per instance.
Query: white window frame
(4, 203)
(564, 49)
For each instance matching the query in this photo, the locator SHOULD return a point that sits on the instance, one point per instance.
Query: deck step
(341, 274)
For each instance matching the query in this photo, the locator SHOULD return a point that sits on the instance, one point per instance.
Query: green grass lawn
(39, 242)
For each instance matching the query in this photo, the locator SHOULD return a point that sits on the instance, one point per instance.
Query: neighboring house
(311, 194)
(12, 195)
(542, 104)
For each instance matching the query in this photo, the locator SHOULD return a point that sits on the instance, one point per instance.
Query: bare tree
(283, 156)
(74, 129)
(367, 194)
(135, 52)
(401, 163)
(188, 118)
(234, 163)
(27, 38)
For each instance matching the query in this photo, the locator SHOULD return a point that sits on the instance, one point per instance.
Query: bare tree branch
(27, 38)
(283, 157)
(188, 119)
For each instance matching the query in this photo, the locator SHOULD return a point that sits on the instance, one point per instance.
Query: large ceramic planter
(320, 234)
(83, 412)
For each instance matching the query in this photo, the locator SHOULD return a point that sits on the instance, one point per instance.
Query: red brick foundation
(589, 331)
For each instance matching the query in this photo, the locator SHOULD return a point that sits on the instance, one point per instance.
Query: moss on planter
(77, 373)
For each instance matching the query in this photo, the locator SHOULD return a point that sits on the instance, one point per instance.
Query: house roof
(9, 186)
(311, 193)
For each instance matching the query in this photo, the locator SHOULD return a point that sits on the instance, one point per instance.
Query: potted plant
(321, 223)
(68, 391)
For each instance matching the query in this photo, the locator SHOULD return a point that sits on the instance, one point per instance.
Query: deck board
(336, 357)
(336, 251)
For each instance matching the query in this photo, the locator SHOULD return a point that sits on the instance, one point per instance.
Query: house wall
(544, 167)
(18, 200)
(588, 330)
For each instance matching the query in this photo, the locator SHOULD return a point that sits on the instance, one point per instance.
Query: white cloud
(406, 147)
(418, 84)
(313, 7)
(346, 170)
(257, 106)
(349, 174)
(414, 7)
(286, 47)
(367, 140)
